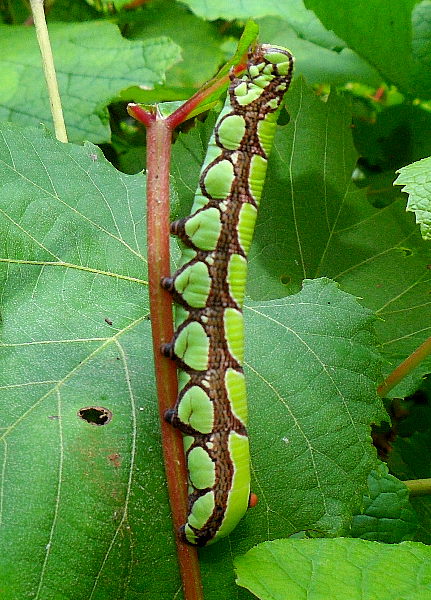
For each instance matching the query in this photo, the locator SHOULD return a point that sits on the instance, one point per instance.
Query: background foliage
(83, 508)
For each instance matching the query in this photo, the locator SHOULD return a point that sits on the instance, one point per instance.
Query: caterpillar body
(209, 287)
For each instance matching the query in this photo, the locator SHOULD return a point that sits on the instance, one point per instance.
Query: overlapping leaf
(387, 515)
(176, 22)
(320, 57)
(416, 179)
(318, 378)
(314, 222)
(311, 370)
(94, 63)
(336, 569)
(84, 508)
(398, 31)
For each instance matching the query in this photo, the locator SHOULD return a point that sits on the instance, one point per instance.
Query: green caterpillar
(209, 287)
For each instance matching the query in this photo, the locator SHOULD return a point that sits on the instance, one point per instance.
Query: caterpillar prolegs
(209, 287)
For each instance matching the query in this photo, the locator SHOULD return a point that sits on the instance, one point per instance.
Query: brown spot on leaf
(115, 459)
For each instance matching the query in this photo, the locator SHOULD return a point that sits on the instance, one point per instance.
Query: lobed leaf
(416, 179)
(84, 509)
(93, 62)
(387, 515)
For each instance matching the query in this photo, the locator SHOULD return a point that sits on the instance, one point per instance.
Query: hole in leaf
(95, 415)
(285, 279)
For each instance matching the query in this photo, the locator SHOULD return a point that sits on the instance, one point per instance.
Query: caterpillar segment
(209, 287)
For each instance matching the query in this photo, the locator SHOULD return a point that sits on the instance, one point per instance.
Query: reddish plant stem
(405, 368)
(141, 115)
(182, 113)
(158, 159)
(135, 4)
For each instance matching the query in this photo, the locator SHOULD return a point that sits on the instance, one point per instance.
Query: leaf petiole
(49, 69)
(406, 367)
(419, 487)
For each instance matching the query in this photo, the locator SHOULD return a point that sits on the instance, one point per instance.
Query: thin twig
(49, 69)
(419, 487)
(405, 368)
(185, 110)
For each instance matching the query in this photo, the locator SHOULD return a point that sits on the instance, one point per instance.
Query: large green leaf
(393, 37)
(318, 376)
(320, 55)
(84, 508)
(93, 62)
(330, 228)
(175, 21)
(318, 59)
(335, 570)
(311, 371)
